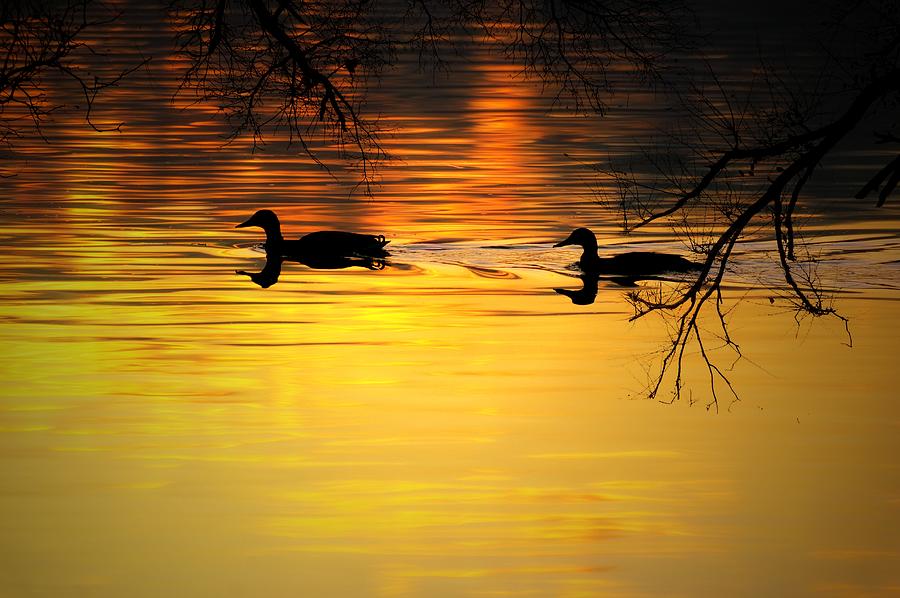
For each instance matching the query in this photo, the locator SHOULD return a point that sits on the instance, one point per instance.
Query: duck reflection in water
(586, 294)
(272, 269)
(322, 250)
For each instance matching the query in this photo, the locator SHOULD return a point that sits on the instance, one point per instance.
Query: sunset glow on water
(449, 425)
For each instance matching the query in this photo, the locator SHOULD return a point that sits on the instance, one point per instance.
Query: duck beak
(248, 222)
(568, 241)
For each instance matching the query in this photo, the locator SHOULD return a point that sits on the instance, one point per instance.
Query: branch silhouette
(749, 166)
(287, 67)
(40, 39)
(302, 68)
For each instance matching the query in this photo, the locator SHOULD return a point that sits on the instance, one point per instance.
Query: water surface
(446, 426)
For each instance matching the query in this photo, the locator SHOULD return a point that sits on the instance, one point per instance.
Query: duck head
(264, 219)
(268, 221)
(580, 236)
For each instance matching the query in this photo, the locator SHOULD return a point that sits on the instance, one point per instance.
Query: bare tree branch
(287, 68)
(301, 66)
(751, 165)
(37, 39)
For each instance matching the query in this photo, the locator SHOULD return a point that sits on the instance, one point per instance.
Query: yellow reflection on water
(418, 432)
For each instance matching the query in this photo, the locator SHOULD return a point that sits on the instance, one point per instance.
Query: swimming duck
(321, 245)
(634, 263)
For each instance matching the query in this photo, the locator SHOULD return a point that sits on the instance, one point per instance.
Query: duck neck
(589, 251)
(273, 236)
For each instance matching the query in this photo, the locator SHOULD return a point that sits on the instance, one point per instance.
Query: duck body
(629, 264)
(638, 262)
(337, 243)
(321, 246)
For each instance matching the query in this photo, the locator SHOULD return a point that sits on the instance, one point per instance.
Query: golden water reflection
(420, 430)
(448, 426)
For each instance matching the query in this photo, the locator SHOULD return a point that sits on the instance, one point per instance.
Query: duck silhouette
(633, 264)
(321, 247)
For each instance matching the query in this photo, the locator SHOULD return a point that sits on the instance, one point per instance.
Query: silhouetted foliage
(287, 67)
(744, 160)
(300, 68)
(39, 39)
